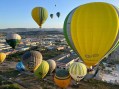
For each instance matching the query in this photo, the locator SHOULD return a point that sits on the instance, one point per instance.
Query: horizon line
(31, 28)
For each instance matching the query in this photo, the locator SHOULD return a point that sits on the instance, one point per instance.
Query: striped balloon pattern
(42, 70)
(32, 60)
(77, 71)
(62, 78)
(91, 30)
(40, 15)
(13, 39)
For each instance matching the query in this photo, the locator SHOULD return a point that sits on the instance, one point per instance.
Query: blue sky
(17, 13)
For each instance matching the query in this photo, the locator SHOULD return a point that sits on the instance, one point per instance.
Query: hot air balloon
(51, 15)
(20, 67)
(13, 39)
(90, 32)
(116, 44)
(52, 65)
(58, 14)
(42, 70)
(39, 14)
(62, 78)
(31, 60)
(2, 57)
(77, 71)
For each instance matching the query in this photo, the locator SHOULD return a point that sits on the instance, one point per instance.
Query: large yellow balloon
(39, 14)
(91, 30)
(2, 57)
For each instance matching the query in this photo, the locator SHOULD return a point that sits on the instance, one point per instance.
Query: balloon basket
(91, 73)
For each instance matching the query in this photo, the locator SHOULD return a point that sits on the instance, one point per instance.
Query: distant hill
(29, 29)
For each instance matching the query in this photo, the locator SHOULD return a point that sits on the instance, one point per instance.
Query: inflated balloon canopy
(2, 57)
(62, 74)
(32, 60)
(52, 65)
(40, 15)
(92, 31)
(42, 70)
(13, 39)
(77, 71)
(20, 67)
(51, 15)
(62, 78)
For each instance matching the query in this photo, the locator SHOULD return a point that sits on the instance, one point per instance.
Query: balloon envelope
(20, 67)
(58, 14)
(31, 60)
(52, 65)
(93, 37)
(40, 15)
(62, 78)
(42, 70)
(13, 39)
(51, 15)
(2, 57)
(77, 71)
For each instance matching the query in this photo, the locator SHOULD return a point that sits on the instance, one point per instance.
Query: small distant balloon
(51, 16)
(58, 14)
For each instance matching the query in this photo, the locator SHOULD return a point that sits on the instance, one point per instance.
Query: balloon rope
(97, 69)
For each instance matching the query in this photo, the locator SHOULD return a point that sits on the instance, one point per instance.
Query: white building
(66, 61)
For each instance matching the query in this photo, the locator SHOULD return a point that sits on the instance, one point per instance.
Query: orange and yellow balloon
(62, 78)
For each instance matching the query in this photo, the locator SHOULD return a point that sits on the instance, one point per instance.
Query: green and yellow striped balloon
(92, 31)
(77, 71)
(39, 14)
